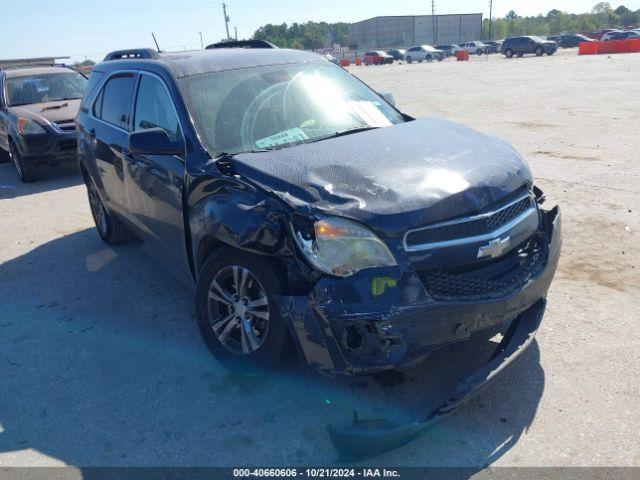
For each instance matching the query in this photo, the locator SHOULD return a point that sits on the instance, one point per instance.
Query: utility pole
(236, 30)
(201, 42)
(433, 19)
(226, 19)
(490, 18)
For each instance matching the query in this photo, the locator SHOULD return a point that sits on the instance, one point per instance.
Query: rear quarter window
(113, 102)
(94, 81)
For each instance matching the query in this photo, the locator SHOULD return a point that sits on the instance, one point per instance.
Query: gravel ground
(101, 363)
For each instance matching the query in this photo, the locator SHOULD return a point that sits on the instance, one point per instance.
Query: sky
(92, 28)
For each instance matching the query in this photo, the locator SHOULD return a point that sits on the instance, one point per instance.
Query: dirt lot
(101, 363)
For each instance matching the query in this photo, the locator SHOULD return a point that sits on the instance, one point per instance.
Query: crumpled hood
(392, 178)
(44, 113)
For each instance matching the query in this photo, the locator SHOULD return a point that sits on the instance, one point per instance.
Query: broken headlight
(341, 247)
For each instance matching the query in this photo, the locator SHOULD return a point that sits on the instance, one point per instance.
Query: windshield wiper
(342, 133)
(54, 107)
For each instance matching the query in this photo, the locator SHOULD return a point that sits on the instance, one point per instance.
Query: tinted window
(154, 107)
(112, 104)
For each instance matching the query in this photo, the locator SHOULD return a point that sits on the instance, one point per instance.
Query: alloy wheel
(238, 309)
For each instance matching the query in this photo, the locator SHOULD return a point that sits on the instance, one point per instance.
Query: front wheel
(27, 171)
(429, 59)
(238, 318)
(508, 53)
(539, 52)
(551, 52)
(479, 52)
(409, 59)
(520, 54)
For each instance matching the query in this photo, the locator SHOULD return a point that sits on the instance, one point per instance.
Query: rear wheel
(110, 228)
(27, 171)
(539, 51)
(409, 59)
(508, 53)
(429, 59)
(479, 52)
(238, 317)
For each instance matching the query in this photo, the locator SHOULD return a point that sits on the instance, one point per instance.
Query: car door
(111, 110)
(154, 183)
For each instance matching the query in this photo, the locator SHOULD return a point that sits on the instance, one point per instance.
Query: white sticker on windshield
(288, 136)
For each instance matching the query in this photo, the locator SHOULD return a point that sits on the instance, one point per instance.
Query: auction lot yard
(101, 363)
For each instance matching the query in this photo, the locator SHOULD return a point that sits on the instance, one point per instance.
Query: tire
(539, 51)
(429, 59)
(520, 54)
(508, 53)
(551, 52)
(409, 59)
(4, 156)
(479, 52)
(222, 313)
(110, 228)
(27, 171)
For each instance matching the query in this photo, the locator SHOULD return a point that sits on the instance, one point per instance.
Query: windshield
(44, 88)
(278, 106)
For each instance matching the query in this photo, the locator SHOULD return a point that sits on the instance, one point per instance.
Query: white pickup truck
(476, 47)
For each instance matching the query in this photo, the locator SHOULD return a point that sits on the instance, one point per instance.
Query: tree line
(317, 35)
(557, 22)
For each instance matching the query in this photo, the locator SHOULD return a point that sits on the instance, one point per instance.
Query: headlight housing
(341, 247)
(26, 126)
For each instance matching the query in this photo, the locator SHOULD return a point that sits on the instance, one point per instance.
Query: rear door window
(113, 102)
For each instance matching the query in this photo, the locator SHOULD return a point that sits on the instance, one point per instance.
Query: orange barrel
(345, 62)
(462, 55)
(358, 61)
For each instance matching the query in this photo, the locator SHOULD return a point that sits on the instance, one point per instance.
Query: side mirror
(153, 141)
(388, 96)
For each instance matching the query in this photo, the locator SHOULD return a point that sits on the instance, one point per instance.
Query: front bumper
(372, 437)
(51, 147)
(385, 319)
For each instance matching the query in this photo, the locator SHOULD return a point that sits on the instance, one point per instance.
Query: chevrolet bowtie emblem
(494, 248)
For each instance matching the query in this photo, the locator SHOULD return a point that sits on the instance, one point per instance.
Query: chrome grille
(66, 125)
(472, 227)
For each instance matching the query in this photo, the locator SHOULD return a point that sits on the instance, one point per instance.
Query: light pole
(226, 19)
(490, 18)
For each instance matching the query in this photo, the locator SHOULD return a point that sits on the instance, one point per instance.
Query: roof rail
(242, 44)
(133, 53)
(31, 62)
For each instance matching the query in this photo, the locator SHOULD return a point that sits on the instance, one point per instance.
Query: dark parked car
(311, 214)
(530, 44)
(570, 41)
(492, 46)
(38, 105)
(397, 54)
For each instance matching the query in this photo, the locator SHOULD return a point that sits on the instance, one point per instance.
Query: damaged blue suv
(310, 213)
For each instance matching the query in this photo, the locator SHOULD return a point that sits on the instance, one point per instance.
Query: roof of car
(24, 72)
(198, 62)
